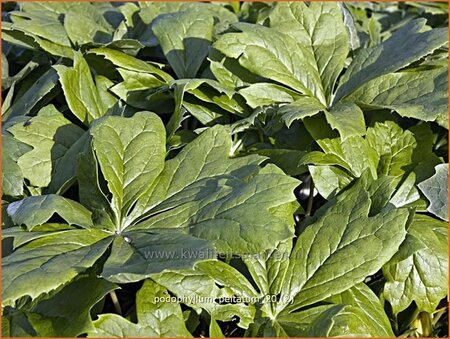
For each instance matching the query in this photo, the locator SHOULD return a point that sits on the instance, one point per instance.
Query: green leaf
(423, 157)
(265, 94)
(364, 298)
(131, 156)
(64, 169)
(178, 114)
(343, 321)
(406, 193)
(419, 270)
(16, 324)
(130, 63)
(199, 291)
(139, 254)
(142, 90)
(35, 211)
(268, 270)
(222, 16)
(408, 44)
(286, 159)
(356, 310)
(228, 210)
(294, 324)
(44, 27)
(81, 92)
(273, 55)
(85, 23)
(21, 236)
(344, 245)
(228, 276)
(211, 98)
(32, 96)
(50, 262)
(187, 45)
(12, 176)
(436, 191)
(214, 330)
(40, 22)
(421, 95)
(213, 92)
(348, 119)
(393, 145)
(329, 180)
(213, 196)
(55, 317)
(90, 193)
(303, 107)
(51, 135)
(353, 154)
(199, 201)
(320, 28)
(156, 317)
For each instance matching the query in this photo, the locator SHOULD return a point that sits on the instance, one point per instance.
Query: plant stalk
(115, 301)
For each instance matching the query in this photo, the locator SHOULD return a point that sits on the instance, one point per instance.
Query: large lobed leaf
(165, 215)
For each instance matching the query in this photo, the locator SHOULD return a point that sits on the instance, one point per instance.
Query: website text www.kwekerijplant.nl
(189, 254)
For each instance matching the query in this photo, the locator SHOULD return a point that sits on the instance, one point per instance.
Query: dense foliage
(224, 169)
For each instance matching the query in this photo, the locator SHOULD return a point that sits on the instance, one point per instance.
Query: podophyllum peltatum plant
(224, 169)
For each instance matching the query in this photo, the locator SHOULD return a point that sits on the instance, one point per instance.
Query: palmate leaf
(335, 233)
(196, 203)
(205, 194)
(301, 31)
(309, 274)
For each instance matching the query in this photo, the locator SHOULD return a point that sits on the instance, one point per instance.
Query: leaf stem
(115, 301)
(425, 324)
